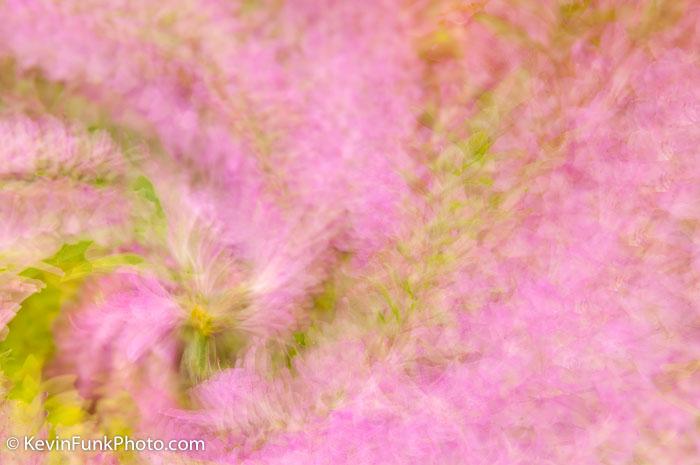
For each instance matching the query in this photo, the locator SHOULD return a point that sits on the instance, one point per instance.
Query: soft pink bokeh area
(369, 232)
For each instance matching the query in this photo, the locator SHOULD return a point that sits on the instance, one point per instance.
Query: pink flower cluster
(352, 232)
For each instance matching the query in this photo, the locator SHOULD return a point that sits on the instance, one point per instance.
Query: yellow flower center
(201, 320)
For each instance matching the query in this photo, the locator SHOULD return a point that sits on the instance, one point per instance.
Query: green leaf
(144, 187)
(29, 342)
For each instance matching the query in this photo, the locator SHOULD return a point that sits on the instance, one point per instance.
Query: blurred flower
(384, 232)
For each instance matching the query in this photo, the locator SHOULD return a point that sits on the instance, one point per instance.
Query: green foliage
(29, 342)
(152, 224)
(206, 354)
(65, 409)
(144, 187)
(101, 265)
(324, 302)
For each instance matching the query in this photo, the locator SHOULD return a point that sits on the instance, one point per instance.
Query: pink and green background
(367, 232)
